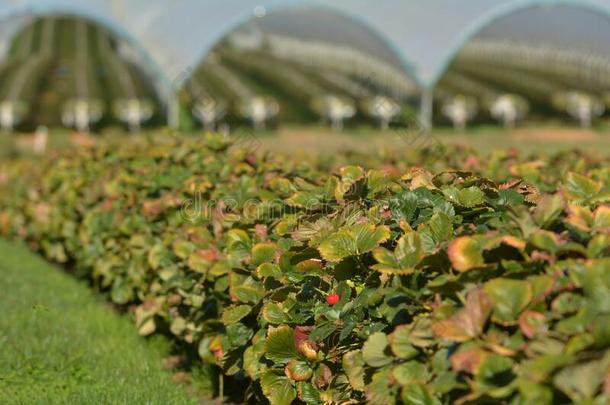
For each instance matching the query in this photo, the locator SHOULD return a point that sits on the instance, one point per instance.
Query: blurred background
(537, 70)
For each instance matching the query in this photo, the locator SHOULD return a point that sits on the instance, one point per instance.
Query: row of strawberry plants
(385, 286)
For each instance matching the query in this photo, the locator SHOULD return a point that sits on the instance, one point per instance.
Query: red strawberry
(332, 299)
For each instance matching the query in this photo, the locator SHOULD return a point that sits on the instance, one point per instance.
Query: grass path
(484, 139)
(59, 344)
(315, 139)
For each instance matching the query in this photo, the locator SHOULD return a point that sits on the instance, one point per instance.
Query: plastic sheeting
(419, 36)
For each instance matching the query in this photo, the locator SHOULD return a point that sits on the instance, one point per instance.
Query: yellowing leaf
(263, 252)
(601, 221)
(548, 209)
(465, 253)
(277, 389)
(353, 365)
(298, 370)
(578, 187)
(545, 240)
(469, 321)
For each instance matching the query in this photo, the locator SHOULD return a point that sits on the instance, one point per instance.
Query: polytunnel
(419, 39)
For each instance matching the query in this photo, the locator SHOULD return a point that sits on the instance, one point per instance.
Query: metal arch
(247, 16)
(496, 14)
(165, 92)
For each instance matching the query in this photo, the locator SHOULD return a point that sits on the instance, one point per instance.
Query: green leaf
(353, 240)
(368, 237)
(533, 392)
(306, 199)
(246, 289)
(509, 197)
(338, 246)
(122, 292)
(183, 248)
(400, 342)
(594, 278)
(279, 344)
(411, 372)
(494, 371)
(238, 334)
(238, 243)
(235, 314)
(277, 389)
(418, 394)
(308, 393)
(408, 250)
(353, 365)
(471, 196)
(509, 298)
(263, 252)
(273, 313)
(158, 256)
(545, 240)
(377, 182)
(441, 227)
(403, 206)
(406, 256)
(541, 367)
(322, 331)
(566, 303)
(374, 350)
(269, 270)
(467, 197)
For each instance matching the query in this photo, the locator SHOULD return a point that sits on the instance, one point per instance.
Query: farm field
(377, 276)
(297, 203)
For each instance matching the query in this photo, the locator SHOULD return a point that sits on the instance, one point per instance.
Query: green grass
(59, 344)
(484, 139)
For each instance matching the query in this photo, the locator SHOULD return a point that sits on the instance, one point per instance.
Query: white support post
(425, 109)
(173, 111)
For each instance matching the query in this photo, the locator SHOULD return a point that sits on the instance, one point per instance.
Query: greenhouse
(401, 49)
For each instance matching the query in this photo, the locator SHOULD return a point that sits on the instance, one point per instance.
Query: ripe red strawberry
(332, 299)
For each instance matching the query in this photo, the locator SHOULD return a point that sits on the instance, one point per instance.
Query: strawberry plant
(486, 280)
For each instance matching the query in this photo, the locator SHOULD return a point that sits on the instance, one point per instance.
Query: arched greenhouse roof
(421, 38)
